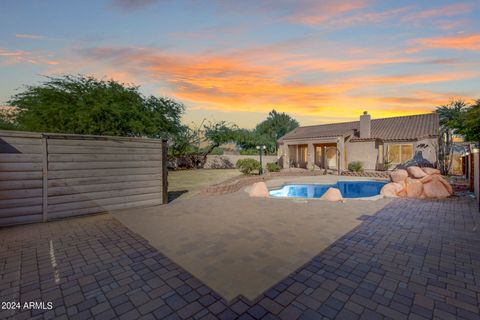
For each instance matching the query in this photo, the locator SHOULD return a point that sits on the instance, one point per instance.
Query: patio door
(331, 155)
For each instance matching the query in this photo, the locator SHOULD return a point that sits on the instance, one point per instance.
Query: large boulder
(416, 172)
(402, 193)
(431, 171)
(332, 194)
(259, 189)
(392, 189)
(413, 188)
(426, 179)
(398, 175)
(435, 189)
(444, 182)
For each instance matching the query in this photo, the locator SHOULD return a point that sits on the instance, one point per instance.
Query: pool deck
(242, 246)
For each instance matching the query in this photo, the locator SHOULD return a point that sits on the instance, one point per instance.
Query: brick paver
(412, 260)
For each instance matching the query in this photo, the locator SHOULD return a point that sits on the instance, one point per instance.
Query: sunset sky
(319, 61)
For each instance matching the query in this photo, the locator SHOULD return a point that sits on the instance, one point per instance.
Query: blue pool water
(349, 189)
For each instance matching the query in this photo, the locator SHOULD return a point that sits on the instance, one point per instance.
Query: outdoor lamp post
(261, 148)
(476, 148)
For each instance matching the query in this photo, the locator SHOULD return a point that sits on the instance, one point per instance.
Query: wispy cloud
(415, 78)
(316, 12)
(345, 65)
(11, 57)
(344, 14)
(132, 4)
(373, 17)
(29, 36)
(450, 10)
(455, 42)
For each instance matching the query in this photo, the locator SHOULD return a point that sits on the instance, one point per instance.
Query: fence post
(45, 178)
(164, 172)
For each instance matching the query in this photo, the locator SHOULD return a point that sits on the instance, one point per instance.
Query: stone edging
(237, 183)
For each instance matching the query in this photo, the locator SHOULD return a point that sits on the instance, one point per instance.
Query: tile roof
(396, 128)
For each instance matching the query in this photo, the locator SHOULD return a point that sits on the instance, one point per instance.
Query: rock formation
(415, 182)
(332, 194)
(259, 189)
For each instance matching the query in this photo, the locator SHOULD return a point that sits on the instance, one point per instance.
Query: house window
(399, 153)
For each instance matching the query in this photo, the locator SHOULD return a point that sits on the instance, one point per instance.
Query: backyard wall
(50, 176)
(229, 161)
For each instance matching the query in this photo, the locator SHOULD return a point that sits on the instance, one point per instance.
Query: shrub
(247, 166)
(217, 151)
(355, 166)
(273, 167)
(387, 164)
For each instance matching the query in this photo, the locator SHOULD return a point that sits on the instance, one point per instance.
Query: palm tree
(451, 116)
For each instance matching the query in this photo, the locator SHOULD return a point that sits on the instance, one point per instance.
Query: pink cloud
(316, 12)
(22, 56)
(450, 10)
(455, 42)
(29, 36)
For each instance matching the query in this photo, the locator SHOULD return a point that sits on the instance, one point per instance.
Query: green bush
(273, 167)
(387, 164)
(247, 166)
(217, 151)
(355, 166)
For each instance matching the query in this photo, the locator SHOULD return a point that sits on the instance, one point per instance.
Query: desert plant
(387, 164)
(355, 166)
(273, 167)
(247, 166)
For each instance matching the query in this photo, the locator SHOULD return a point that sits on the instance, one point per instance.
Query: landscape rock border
(418, 183)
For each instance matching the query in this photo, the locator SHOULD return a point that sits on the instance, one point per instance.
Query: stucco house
(370, 141)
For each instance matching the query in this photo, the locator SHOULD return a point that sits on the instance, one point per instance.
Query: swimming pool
(349, 189)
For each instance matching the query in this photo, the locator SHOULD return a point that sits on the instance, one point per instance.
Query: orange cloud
(456, 42)
(336, 65)
(22, 56)
(250, 83)
(450, 10)
(408, 79)
(316, 12)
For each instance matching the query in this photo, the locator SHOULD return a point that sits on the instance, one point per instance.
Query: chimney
(365, 125)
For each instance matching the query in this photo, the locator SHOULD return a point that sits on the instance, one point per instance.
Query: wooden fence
(51, 176)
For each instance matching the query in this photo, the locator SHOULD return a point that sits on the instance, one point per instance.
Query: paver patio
(238, 245)
(412, 260)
